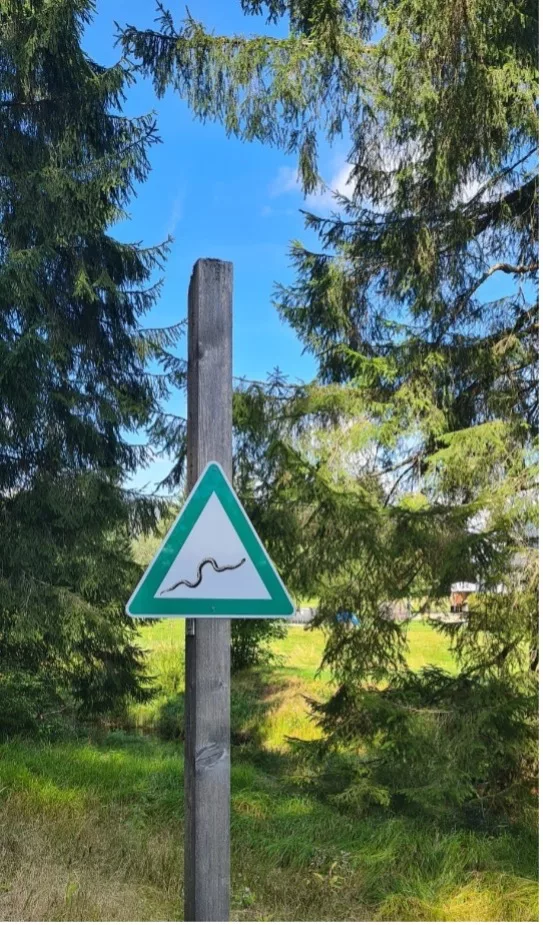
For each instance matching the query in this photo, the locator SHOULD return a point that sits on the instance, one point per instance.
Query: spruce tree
(75, 390)
(410, 463)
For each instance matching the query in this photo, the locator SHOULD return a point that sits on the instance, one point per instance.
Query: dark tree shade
(73, 381)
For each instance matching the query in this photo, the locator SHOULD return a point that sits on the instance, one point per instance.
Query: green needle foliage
(411, 462)
(74, 385)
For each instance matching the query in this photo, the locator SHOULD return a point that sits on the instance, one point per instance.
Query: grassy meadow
(91, 827)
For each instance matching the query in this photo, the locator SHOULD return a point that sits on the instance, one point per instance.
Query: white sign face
(211, 563)
(464, 586)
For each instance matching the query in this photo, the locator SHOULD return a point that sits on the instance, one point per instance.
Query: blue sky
(219, 198)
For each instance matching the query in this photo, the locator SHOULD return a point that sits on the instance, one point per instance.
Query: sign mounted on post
(211, 563)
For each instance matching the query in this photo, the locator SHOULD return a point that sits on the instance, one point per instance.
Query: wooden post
(207, 656)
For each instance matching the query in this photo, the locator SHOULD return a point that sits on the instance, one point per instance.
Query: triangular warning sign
(211, 563)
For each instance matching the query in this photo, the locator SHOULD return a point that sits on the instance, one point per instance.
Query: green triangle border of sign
(143, 602)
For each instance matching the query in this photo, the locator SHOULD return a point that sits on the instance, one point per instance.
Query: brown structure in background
(459, 601)
(459, 596)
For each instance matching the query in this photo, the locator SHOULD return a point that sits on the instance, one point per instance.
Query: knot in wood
(209, 755)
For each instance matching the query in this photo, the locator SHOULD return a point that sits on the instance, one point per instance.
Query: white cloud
(340, 183)
(286, 181)
(176, 213)
(487, 191)
(467, 191)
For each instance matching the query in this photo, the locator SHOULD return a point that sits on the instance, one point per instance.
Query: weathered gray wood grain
(207, 659)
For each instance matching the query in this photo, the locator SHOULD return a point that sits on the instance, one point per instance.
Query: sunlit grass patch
(428, 646)
(269, 706)
(246, 803)
(92, 829)
(289, 715)
(126, 771)
(488, 897)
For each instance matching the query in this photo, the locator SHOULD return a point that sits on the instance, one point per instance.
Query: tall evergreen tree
(74, 385)
(421, 310)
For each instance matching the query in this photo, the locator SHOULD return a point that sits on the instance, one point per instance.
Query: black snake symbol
(194, 584)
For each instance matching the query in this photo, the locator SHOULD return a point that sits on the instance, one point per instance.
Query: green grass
(301, 650)
(294, 677)
(92, 829)
(427, 646)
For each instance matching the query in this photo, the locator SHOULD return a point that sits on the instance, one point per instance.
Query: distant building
(460, 591)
